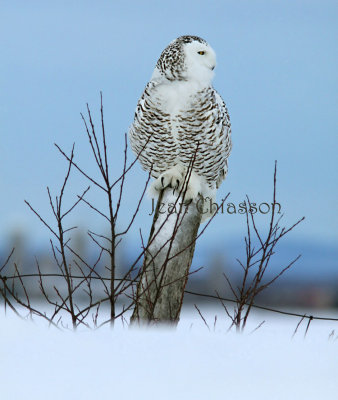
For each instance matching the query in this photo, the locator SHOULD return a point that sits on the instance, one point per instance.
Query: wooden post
(167, 261)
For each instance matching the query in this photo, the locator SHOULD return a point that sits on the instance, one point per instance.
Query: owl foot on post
(172, 178)
(193, 189)
(175, 178)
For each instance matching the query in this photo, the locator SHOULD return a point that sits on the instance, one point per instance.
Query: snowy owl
(180, 116)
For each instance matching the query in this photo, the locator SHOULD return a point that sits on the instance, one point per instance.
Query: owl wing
(150, 134)
(205, 126)
(224, 134)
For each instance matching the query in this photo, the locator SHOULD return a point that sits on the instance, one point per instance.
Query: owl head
(187, 58)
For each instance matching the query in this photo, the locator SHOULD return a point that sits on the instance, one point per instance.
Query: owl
(181, 123)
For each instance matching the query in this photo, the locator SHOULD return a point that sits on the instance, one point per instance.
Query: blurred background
(277, 72)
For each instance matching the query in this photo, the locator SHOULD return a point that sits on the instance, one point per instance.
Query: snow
(190, 363)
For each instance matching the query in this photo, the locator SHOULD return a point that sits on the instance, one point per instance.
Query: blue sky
(277, 71)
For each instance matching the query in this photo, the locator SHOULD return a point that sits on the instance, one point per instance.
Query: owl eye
(201, 52)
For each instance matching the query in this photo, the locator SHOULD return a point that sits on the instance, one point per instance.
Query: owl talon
(170, 178)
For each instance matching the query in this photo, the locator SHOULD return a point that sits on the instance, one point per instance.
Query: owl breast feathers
(181, 117)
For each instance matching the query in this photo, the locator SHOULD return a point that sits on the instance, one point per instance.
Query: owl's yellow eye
(201, 52)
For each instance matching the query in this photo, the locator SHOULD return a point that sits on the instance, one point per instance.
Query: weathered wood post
(167, 260)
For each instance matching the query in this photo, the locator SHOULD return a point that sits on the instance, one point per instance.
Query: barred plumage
(179, 109)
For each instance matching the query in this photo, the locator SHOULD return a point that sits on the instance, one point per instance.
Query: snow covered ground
(189, 363)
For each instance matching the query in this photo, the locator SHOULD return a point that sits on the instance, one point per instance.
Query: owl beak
(213, 67)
